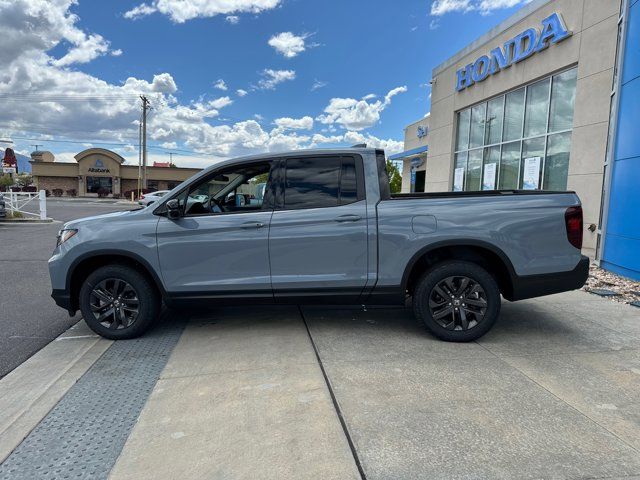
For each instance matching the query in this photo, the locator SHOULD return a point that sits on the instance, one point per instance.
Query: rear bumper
(531, 286)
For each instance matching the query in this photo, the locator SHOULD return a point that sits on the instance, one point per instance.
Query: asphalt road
(29, 319)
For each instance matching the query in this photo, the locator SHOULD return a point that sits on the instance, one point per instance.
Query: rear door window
(320, 182)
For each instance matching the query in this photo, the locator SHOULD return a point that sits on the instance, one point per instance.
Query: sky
(224, 77)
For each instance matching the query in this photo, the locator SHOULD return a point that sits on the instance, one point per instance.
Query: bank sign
(99, 167)
(519, 48)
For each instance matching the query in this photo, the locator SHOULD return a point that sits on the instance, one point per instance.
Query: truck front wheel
(118, 303)
(457, 301)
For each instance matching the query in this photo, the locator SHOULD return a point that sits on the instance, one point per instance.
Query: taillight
(573, 220)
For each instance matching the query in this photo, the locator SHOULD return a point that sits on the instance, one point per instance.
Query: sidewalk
(242, 396)
(552, 392)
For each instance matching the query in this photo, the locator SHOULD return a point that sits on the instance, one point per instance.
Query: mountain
(23, 163)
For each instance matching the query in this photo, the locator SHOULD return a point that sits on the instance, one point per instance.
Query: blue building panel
(621, 252)
(627, 138)
(632, 48)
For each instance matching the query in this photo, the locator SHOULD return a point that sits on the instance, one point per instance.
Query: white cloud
(441, 7)
(288, 44)
(318, 84)
(35, 26)
(355, 114)
(116, 53)
(353, 138)
(179, 11)
(232, 19)
(304, 123)
(141, 10)
(241, 92)
(86, 49)
(485, 7)
(221, 85)
(393, 93)
(64, 104)
(271, 78)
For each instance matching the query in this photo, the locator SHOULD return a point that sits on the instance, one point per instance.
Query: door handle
(252, 225)
(348, 218)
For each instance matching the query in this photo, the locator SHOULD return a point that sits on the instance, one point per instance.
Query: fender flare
(115, 252)
(458, 243)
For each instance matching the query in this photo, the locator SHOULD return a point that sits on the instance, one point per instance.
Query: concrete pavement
(241, 397)
(552, 392)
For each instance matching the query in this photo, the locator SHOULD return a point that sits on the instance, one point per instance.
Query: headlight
(64, 235)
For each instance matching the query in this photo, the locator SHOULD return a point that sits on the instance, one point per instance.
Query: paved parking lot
(28, 317)
(552, 392)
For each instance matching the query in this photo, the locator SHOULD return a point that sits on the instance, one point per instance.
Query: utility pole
(170, 158)
(139, 159)
(145, 108)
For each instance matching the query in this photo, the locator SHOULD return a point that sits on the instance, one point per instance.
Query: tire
(477, 301)
(109, 298)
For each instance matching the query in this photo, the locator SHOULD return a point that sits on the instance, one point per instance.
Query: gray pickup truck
(323, 230)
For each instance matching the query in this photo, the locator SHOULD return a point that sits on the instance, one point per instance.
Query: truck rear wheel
(118, 303)
(457, 301)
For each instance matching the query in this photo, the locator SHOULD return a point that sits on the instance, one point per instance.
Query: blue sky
(355, 52)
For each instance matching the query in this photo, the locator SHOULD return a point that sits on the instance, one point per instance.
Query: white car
(149, 198)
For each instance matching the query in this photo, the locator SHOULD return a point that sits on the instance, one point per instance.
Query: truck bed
(479, 193)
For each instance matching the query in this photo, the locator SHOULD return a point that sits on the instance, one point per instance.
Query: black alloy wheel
(114, 303)
(457, 301)
(119, 302)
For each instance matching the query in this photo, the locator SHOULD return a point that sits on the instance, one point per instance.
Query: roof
(103, 151)
(409, 153)
(293, 153)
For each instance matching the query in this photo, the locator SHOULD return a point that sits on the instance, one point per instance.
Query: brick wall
(127, 184)
(49, 183)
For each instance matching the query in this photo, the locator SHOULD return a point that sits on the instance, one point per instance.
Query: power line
(118, 144)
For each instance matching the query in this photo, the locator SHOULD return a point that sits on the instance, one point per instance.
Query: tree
(23, 180)
(5, 181)
(395, 177)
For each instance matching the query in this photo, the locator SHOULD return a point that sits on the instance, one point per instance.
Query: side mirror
(173, 209)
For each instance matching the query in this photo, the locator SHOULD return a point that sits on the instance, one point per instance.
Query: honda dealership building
(549, 99)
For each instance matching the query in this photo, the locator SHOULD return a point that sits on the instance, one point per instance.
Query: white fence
(32, 204)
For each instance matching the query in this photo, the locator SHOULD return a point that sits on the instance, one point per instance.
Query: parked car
(327, 231)
(149, 198)
(3, 210)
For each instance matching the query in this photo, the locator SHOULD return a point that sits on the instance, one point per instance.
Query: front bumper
(530, 286)
(63, 299)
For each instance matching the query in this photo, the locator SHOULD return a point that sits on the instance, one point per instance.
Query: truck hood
(105, 217)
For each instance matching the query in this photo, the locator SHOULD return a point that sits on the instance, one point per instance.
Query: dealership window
(504, 142)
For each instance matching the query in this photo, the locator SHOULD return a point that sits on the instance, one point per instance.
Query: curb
(32, 389)
(26, 220)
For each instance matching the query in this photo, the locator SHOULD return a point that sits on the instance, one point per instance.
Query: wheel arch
(486, 255)
(82, 267)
